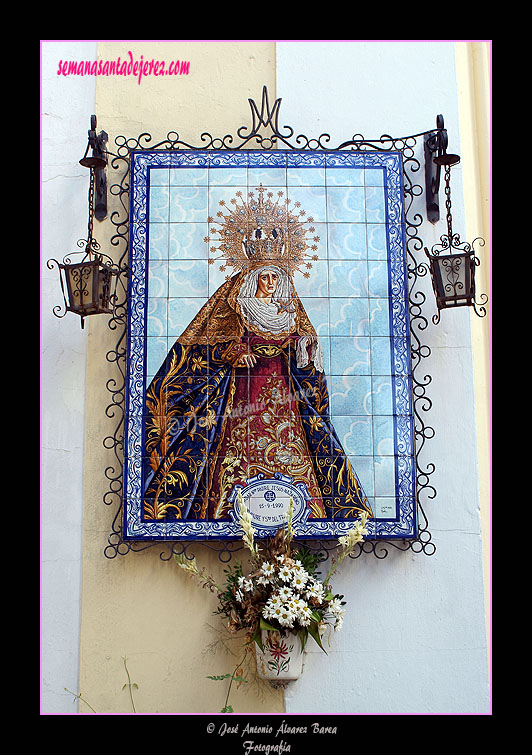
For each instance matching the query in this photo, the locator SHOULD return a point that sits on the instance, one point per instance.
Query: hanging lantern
(452, 262)
(86, 277)
(87, 283)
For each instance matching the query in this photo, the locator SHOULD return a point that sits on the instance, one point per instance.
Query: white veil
(276, 317)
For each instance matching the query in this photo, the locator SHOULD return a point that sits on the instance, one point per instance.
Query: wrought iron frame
(268, 118)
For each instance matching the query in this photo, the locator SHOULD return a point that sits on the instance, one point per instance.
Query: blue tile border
(385, 166)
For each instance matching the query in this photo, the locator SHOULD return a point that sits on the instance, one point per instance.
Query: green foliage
(314, 632)
(268, 627)
(309, 559)
(257, 637)
(130, 685)
(227, 594)
(79, 696)
(237, 677)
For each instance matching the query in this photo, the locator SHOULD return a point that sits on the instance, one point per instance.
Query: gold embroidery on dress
(160, 429)
(270, 440)
(267, 350)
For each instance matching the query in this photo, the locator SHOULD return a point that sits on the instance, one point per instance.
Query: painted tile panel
(268, 344)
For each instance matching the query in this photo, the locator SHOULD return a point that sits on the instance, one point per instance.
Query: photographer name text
(250, 746)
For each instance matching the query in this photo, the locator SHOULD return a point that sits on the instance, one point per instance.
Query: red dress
(262, 430)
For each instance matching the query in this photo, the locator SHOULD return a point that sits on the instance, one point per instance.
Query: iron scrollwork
(267, 118)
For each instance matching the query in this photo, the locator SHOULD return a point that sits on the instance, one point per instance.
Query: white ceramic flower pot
(282, 659)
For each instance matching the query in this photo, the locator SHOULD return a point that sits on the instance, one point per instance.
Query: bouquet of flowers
(283, 591)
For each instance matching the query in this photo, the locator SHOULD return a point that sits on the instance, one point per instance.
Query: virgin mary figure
(242, 392)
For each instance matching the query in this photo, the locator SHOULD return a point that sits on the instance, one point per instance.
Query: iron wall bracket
(435, 145)
(98, 161)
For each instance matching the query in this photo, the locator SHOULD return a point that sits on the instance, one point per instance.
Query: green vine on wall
(129, 684)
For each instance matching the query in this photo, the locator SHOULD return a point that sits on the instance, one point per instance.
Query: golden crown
(263, 232)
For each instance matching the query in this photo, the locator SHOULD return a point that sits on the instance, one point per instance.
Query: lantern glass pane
(454, 279)
(80, 285)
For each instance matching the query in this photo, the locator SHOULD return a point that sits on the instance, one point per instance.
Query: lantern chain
(91, 212)
(448, 202)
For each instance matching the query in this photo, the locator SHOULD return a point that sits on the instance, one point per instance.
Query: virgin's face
(266, 284)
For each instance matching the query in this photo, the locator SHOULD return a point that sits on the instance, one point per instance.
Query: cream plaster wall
(474, 92)
(138, 606)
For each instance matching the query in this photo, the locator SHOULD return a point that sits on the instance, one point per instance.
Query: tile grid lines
(329, 292)
(328, 283)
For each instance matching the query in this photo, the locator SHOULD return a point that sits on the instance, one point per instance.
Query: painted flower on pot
(280, 652)
(278, 648)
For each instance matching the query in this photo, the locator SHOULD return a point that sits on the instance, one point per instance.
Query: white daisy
(314, 590)
(285, 618)
(267, 569)
(275, 600)
(245, 584)
(294, 604)
(272, 608)
(285, 573)
(281, 614)
(304, 614)
(300, 579)
(285, 593)
(335, 606)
